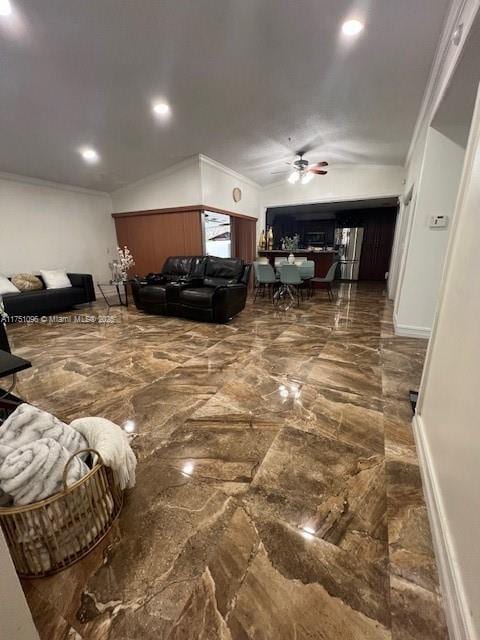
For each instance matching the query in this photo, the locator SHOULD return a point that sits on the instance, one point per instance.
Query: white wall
(343, 182)
(15, 618)
(422, 268)
(218, 183)
(446, 60)
(48, 226)
(201, 180)
(197, 180)
(447, 421)
(177, 186)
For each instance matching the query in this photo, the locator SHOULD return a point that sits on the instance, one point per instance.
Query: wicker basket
(50, 535)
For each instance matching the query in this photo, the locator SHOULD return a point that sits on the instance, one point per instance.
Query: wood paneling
(155, 234)
(244, 234)
(244, 238)
(152, 238)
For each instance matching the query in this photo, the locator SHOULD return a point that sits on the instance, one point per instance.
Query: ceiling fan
(301, 171)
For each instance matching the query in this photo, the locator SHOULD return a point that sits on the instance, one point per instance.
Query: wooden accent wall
(379, 228)
(244, 232)
(154, 235)
(244, 235)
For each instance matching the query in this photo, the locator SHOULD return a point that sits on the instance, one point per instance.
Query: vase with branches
(125, 261)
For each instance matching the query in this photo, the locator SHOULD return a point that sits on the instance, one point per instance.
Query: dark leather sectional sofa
(202, 288)
(44, 302)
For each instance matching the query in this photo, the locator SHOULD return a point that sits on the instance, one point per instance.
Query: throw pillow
(55, 279)
(6, 286)
(27, 282)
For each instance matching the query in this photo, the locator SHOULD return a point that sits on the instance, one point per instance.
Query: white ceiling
(242, 77)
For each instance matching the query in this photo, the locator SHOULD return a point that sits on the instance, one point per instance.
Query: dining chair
(327, 280)
(307, 272)
(290, 283)
(265, 278)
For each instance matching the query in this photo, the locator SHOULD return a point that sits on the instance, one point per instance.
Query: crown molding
(228, 171)
(38, 182)
(444, 63)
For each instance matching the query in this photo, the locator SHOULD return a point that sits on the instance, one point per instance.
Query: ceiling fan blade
(319, 164)
(318, 172)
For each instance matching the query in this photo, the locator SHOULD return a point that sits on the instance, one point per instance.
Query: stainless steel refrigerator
(350, 251)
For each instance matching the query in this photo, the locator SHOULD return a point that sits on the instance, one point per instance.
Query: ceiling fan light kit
(302, 173)
(307, 177)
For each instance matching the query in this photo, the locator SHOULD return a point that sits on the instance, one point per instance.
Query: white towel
(34, 471)
(112, 444)
(28, 424)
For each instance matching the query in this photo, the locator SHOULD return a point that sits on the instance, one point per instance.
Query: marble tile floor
(278, 495)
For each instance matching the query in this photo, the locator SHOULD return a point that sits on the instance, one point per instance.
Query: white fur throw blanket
(34, 471)
(28, 424)
(112, 444)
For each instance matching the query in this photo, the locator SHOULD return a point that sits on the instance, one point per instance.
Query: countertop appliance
(350, 251)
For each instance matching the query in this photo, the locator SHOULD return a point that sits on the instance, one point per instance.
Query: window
(218, 237)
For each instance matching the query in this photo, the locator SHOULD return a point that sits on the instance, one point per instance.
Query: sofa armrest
(228, 300)
(85, 281)
(189, 282)
(154, 278)
(176, 287)
(233, 287)
(138, 281)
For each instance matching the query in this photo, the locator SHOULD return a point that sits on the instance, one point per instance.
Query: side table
(118, 287)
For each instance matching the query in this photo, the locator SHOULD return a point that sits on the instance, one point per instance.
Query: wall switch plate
(439, 222)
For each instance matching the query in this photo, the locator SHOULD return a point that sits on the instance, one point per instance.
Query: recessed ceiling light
(352, 27)
(5, 8)
(89, 155)
(161, 108)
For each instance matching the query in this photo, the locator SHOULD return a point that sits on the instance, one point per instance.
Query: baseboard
(455, 604)
(409, 331)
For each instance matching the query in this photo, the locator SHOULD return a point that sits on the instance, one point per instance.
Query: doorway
(331, 227)
(379, 228)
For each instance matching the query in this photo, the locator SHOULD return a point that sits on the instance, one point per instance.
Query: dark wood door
(377, 244)
(244, 233)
